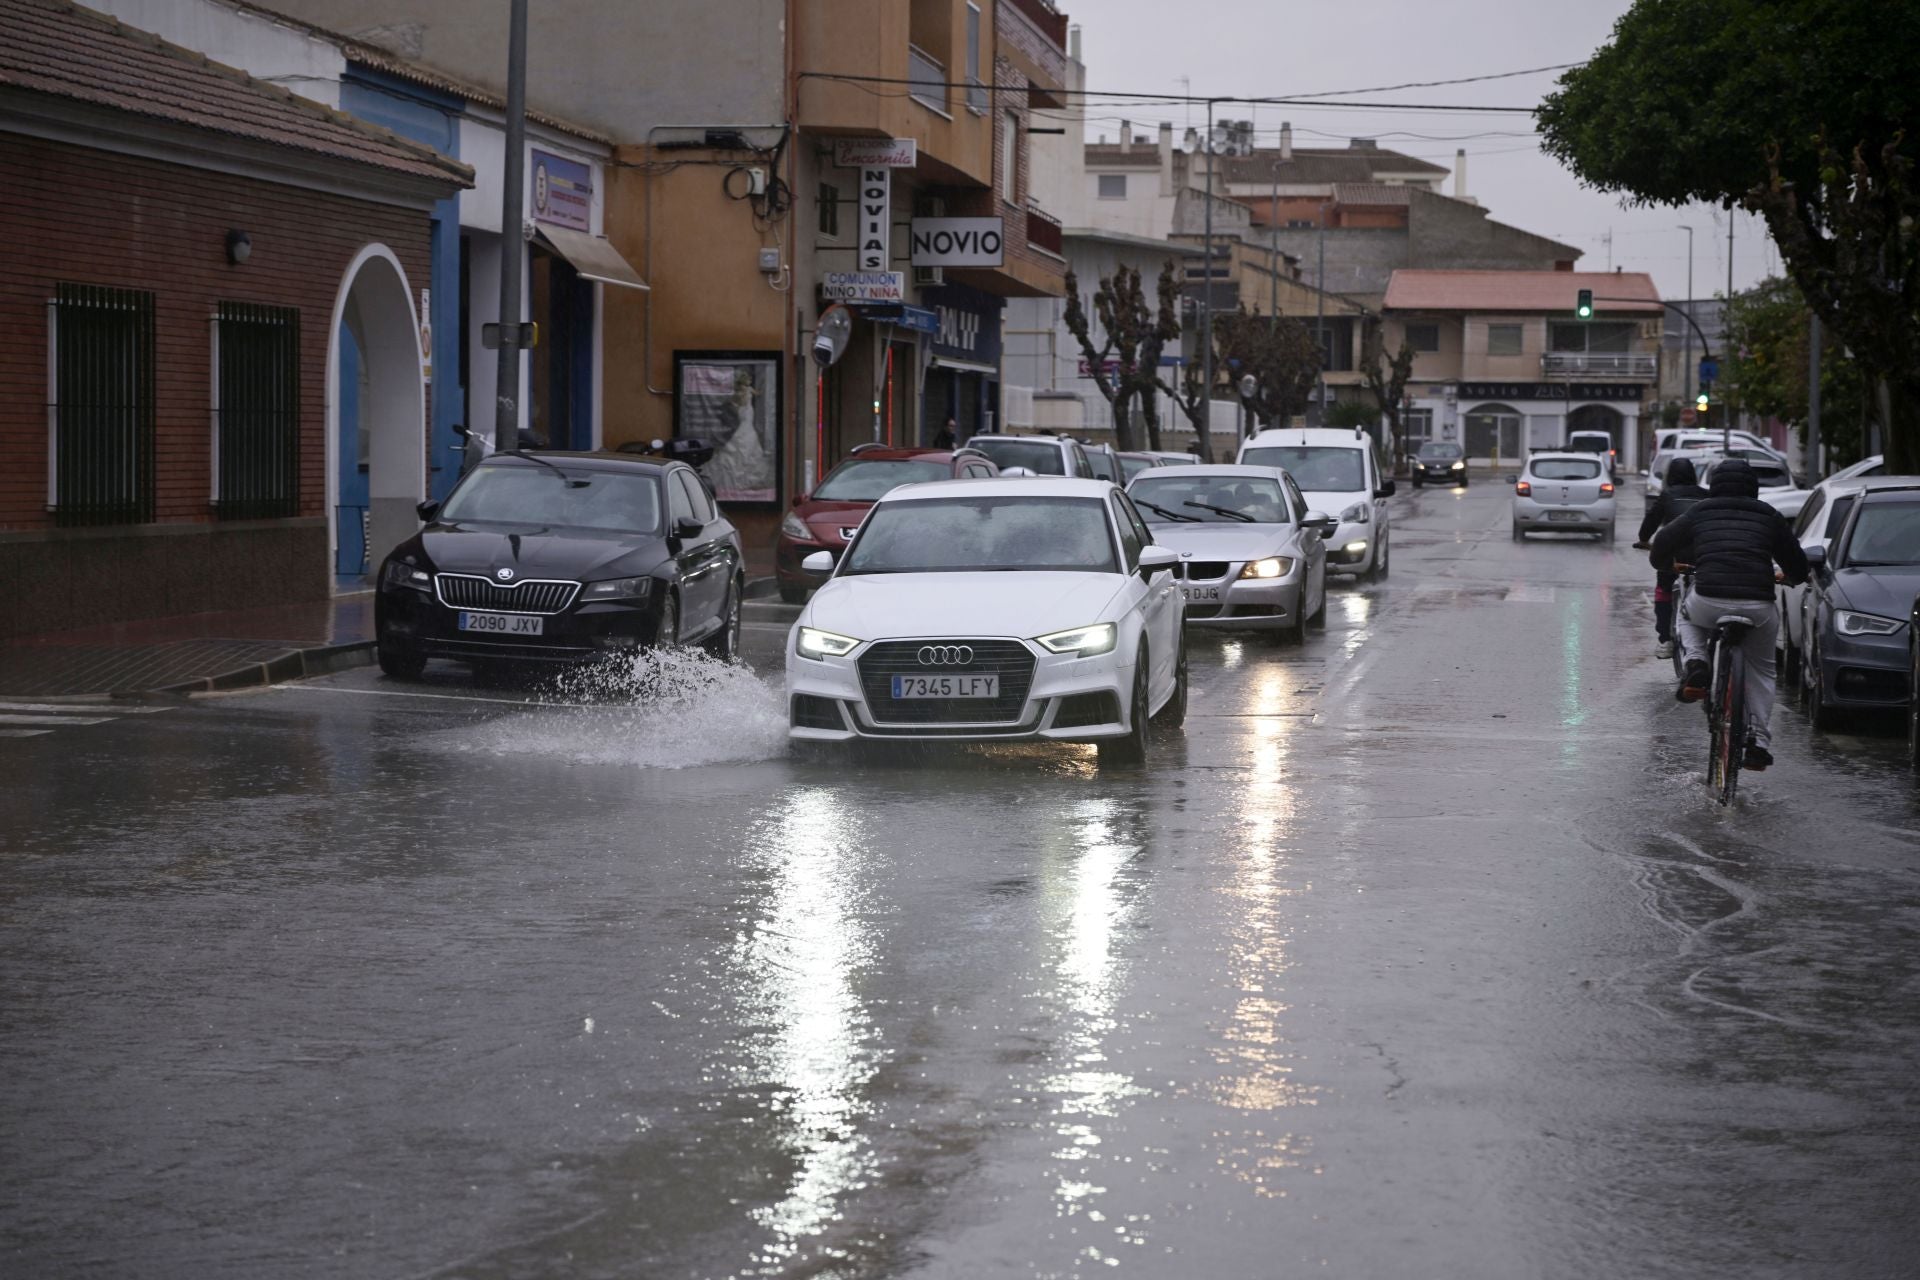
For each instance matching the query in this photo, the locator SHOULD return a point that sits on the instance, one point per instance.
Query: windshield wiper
(571, 482)
(1171, 515)
(1229, 512)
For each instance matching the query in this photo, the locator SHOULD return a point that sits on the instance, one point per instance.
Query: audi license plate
(503, 624)
(1201, 593)
(969, 686)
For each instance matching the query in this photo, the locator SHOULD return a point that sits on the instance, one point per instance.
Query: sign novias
(875, 153)
(958, 242)
(876, 219)
(864, 286)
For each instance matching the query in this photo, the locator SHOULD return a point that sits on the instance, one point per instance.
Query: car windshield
(1321, 468)
(1440, 451)
(1565, 469)
(962, 535)
(1590, 444)
(1887, 533)
(1041, 457)
(612, 501)
(1179, 496)
(870, 479)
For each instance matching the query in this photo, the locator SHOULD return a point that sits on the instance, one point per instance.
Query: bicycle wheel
(1733, 721)
(1712, 707)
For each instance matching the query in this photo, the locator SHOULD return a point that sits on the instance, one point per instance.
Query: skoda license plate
(1199, 594)
(970, 686)
(501, 624)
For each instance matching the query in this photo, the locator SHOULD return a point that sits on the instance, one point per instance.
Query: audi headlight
(1086, 642)
(1271, 567)
(618, 589)
(400, 574)
(813, 643)
(1865, 624)
(794, 527)
(1358, 513)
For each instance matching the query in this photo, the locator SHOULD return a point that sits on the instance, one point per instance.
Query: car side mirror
(1513, 479)
(427, 510)
(1385, 490)
(687, 527)
(1816, 556)
(1321, 523)
(1154, 559)
(818, 562)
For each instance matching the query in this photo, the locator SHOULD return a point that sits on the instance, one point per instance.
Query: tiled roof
(1316, 167)
(60, 49)
(1535, 291)
(1372, 193)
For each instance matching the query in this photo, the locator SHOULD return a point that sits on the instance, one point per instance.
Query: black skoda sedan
(559, 557)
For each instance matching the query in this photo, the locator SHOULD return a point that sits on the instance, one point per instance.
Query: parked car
(1693, 441)
(1778, 488)
(994, 610)
(1913, 687)
(1820, 520)
(1440, 462)
(558, 557)
(1563, 493)
(1859, 605)
(1340, 473)
(1132, 464)
(1252, 556)
(1105, 463)
(824, 520)
(1595, 442)
(1043, 455)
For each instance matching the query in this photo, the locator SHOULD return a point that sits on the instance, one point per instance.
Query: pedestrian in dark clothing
(1681, 492)
(944, 437)
(1733, 540)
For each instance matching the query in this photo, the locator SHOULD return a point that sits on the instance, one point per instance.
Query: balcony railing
(1607, 364)
(1043, 231)
(926, 79)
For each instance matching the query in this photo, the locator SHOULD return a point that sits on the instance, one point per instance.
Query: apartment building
(1505, 365)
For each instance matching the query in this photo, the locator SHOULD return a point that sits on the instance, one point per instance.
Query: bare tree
(1387, 379)
(1153, 345)
(1130, 352)
(1278, 352)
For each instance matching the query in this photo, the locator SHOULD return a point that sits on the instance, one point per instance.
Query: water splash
(667, 709)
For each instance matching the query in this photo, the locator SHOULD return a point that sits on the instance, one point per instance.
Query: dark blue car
(1860, 606)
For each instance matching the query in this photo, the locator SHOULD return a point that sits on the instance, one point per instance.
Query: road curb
(300, 664)
(761, 588)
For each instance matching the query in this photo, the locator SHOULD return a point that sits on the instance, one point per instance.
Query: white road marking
(54, 719)
(1531, 594)
(24, 733)
(69, 707)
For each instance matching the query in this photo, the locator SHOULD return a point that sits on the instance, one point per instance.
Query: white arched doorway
(376, 425)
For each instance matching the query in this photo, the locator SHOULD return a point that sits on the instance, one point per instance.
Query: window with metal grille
(100, 405)
(256, 411)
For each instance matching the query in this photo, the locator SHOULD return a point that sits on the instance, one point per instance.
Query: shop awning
(965, 366)
(594, 257)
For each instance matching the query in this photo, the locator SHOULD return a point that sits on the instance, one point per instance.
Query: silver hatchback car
(1563, 493)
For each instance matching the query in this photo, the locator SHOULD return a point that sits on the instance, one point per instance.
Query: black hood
(1681, 471)
(1733, 478)
(579, 555)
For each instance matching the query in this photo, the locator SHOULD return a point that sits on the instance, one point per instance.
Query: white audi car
(1252, 556)
(993, 610)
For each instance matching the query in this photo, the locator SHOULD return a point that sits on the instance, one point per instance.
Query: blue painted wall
(429, 116)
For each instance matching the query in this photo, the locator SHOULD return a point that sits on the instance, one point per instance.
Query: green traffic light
(1584, 307)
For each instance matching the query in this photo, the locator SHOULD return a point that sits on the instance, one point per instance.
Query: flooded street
(1422, 952)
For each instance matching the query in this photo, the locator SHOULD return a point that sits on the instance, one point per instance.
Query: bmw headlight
(814, 643)
(618, 589)
(1085, 642)
(1271, 567)
(1865, 624)
(794, 527)
(1358, 513)
(400, 574)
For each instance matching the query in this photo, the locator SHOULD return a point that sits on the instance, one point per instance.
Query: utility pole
(1320, 322)
(1726, 341)
(1206, 302)
(1687, 371)
(1813, 395)
(1273, 259)
(506, 404)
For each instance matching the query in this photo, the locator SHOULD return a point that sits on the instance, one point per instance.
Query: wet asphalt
(1421, 952)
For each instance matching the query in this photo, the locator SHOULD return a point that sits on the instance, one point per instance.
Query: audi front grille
(532, 595)
(1012, 661)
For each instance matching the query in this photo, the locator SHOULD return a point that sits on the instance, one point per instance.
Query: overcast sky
(1270, 48)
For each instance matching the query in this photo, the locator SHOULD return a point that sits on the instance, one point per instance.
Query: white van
(1339, 472)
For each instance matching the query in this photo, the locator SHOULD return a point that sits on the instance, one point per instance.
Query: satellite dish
(831, 338)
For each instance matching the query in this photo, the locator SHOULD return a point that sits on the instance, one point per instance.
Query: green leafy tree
(1771, 329)
(1801, 110)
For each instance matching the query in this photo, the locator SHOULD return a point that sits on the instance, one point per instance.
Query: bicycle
(1726, 694)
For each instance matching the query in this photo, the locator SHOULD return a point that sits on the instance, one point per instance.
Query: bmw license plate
(502, 624)
(971, 686)
(1211, 594)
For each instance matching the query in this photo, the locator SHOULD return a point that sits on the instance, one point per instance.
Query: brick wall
(92, 217)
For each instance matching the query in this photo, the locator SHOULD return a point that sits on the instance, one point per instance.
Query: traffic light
(1584, 307)
(1701, 401)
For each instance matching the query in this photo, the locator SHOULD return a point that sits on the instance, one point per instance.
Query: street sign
(1709, 370)
(865, 286)
(1688, 417)
(958, 242)
(875, 153)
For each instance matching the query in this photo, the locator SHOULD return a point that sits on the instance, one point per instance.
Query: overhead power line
(1434, 84)
(905, 85)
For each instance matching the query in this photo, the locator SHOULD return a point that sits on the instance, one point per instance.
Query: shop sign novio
(958, 242)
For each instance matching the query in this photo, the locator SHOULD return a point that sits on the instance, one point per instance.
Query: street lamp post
(1687, 372)
(1206, 303)
(506, 402)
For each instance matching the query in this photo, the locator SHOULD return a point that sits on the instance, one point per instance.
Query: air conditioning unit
(925, 276)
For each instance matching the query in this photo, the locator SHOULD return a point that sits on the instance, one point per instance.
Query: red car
(824, 519)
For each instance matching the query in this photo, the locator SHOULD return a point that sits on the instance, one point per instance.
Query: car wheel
(1174, 714)
(1789, 659)
(1417, 482)
(725, 643)
(1319, 618)
(1131, 749)
(1913, 707)
(1385, 566)
(1820, 712)
(669, 633)
(793, 593)
(397, 663)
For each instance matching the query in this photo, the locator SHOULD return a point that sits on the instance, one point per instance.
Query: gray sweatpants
(1699, 613)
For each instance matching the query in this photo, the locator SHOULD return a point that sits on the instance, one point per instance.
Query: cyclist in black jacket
(1733, 540)
(1681, 492)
